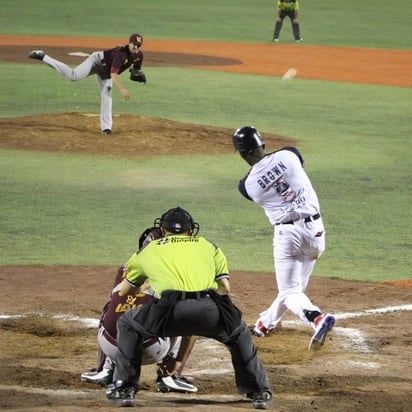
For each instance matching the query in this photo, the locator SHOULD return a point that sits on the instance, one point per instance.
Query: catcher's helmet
(177, 220)
(149, 234)
(247, 138)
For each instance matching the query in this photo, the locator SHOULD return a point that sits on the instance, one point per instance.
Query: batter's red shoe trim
(260, 331)
(324, 323)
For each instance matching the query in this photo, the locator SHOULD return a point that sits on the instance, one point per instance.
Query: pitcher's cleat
(37, 54)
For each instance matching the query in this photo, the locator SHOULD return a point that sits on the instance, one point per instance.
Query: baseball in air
(290, 74)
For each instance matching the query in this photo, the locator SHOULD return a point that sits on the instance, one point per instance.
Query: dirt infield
(365, 364)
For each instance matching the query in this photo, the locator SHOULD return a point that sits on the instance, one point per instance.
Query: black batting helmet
(247, 138)
(177, 220)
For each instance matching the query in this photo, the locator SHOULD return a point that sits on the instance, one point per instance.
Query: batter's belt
(306, 220)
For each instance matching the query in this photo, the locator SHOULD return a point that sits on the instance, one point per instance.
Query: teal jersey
(178, 262)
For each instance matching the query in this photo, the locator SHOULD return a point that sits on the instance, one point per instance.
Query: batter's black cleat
(37, 54)
(120, 394)
(260, 400)
(107, 132)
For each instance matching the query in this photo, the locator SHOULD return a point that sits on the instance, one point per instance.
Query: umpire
(190, 274)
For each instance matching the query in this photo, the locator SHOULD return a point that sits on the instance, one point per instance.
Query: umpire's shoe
(260, 400)
(37, 54)
(174, 384)
(323, 324)
(121, 394)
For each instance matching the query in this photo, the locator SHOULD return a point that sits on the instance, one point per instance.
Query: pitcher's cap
(136, 39)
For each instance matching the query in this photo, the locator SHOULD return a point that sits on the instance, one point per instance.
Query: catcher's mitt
(137, 76)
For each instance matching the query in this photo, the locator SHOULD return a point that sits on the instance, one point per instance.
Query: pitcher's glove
(137, 76)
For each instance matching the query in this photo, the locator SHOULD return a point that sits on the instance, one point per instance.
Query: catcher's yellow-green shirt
(178, 262)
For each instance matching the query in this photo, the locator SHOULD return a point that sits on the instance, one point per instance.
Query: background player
(279, 184)
(287, 8)
(107, 65)
(159, 351)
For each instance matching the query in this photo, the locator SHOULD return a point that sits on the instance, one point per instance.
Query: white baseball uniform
(280, 185)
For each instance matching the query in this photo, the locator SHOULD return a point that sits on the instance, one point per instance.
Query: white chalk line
(356, 341)
(92, 322)
(88, 394)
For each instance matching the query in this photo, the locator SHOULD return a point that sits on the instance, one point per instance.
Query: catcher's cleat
(174, 384)
(261, 400)
(37, 54)
(121, 395)
(323, 324)
(260, 330)
(104, 377)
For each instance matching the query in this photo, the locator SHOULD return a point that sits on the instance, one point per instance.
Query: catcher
(162, 351)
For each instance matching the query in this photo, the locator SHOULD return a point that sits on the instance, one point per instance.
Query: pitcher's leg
(78, 73)
(105, 87)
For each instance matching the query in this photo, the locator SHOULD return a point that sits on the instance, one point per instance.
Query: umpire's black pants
(188, 317)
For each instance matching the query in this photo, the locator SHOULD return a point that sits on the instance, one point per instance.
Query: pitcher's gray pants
(92, 65)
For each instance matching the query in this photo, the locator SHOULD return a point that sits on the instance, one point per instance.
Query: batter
(279, 184)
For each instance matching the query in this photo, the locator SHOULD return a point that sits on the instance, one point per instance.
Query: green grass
(92, 209)
(371, 23)
(67, 209)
